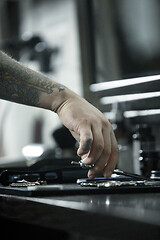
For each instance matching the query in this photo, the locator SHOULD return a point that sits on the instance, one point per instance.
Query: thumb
(85, 146)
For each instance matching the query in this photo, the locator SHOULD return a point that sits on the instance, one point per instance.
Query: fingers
(85, 141)
(98, 146)
(103, 155)
(112, 161)
(100, 155)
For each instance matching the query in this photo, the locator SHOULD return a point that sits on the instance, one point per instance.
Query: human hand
(97, 143)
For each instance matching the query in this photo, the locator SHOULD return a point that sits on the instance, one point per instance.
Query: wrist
(63, 99)
(55, 100)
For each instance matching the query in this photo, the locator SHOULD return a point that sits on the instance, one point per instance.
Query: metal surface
(98, 216)
(135, 94)
(83, 165)
(127, 86)
(139, 207)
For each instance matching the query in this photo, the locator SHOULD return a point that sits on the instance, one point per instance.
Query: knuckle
(106, 123)
(82, 123)
(107, 151)
(85, 121)
(99, 147)
(98, 169)
(87, 139)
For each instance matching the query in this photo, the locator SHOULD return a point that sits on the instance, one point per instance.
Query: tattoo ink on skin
(23, 85)
(87, 145)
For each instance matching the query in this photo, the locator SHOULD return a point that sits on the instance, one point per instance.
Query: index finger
(86, 139)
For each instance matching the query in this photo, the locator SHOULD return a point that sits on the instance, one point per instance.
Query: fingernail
(108, 174)
(91, 176)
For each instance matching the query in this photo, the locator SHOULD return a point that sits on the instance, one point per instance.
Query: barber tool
(21, 178)
(83, 165)
(120, 179)
(116, 171)
(136, 176)
(24, 183)
(118, 184)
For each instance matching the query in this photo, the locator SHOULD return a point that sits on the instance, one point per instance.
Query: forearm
(88, 125)
(23, 85)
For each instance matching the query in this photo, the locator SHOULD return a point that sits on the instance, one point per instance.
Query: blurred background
(88, 46)
(43, 36)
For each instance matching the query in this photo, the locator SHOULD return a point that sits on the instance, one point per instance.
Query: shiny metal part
(120, 184)
(109, 184)
(120, 172)
(83, 165)
(24, 183)
(89, 184)
(152, 183)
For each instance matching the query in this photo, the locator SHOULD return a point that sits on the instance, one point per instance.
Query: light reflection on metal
(122, 83)
(132, 114)
(107, 201)
(129, 97)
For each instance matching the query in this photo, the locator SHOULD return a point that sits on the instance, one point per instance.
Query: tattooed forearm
(22, 85)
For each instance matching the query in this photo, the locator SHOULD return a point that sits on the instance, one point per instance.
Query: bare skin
(97, 143)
